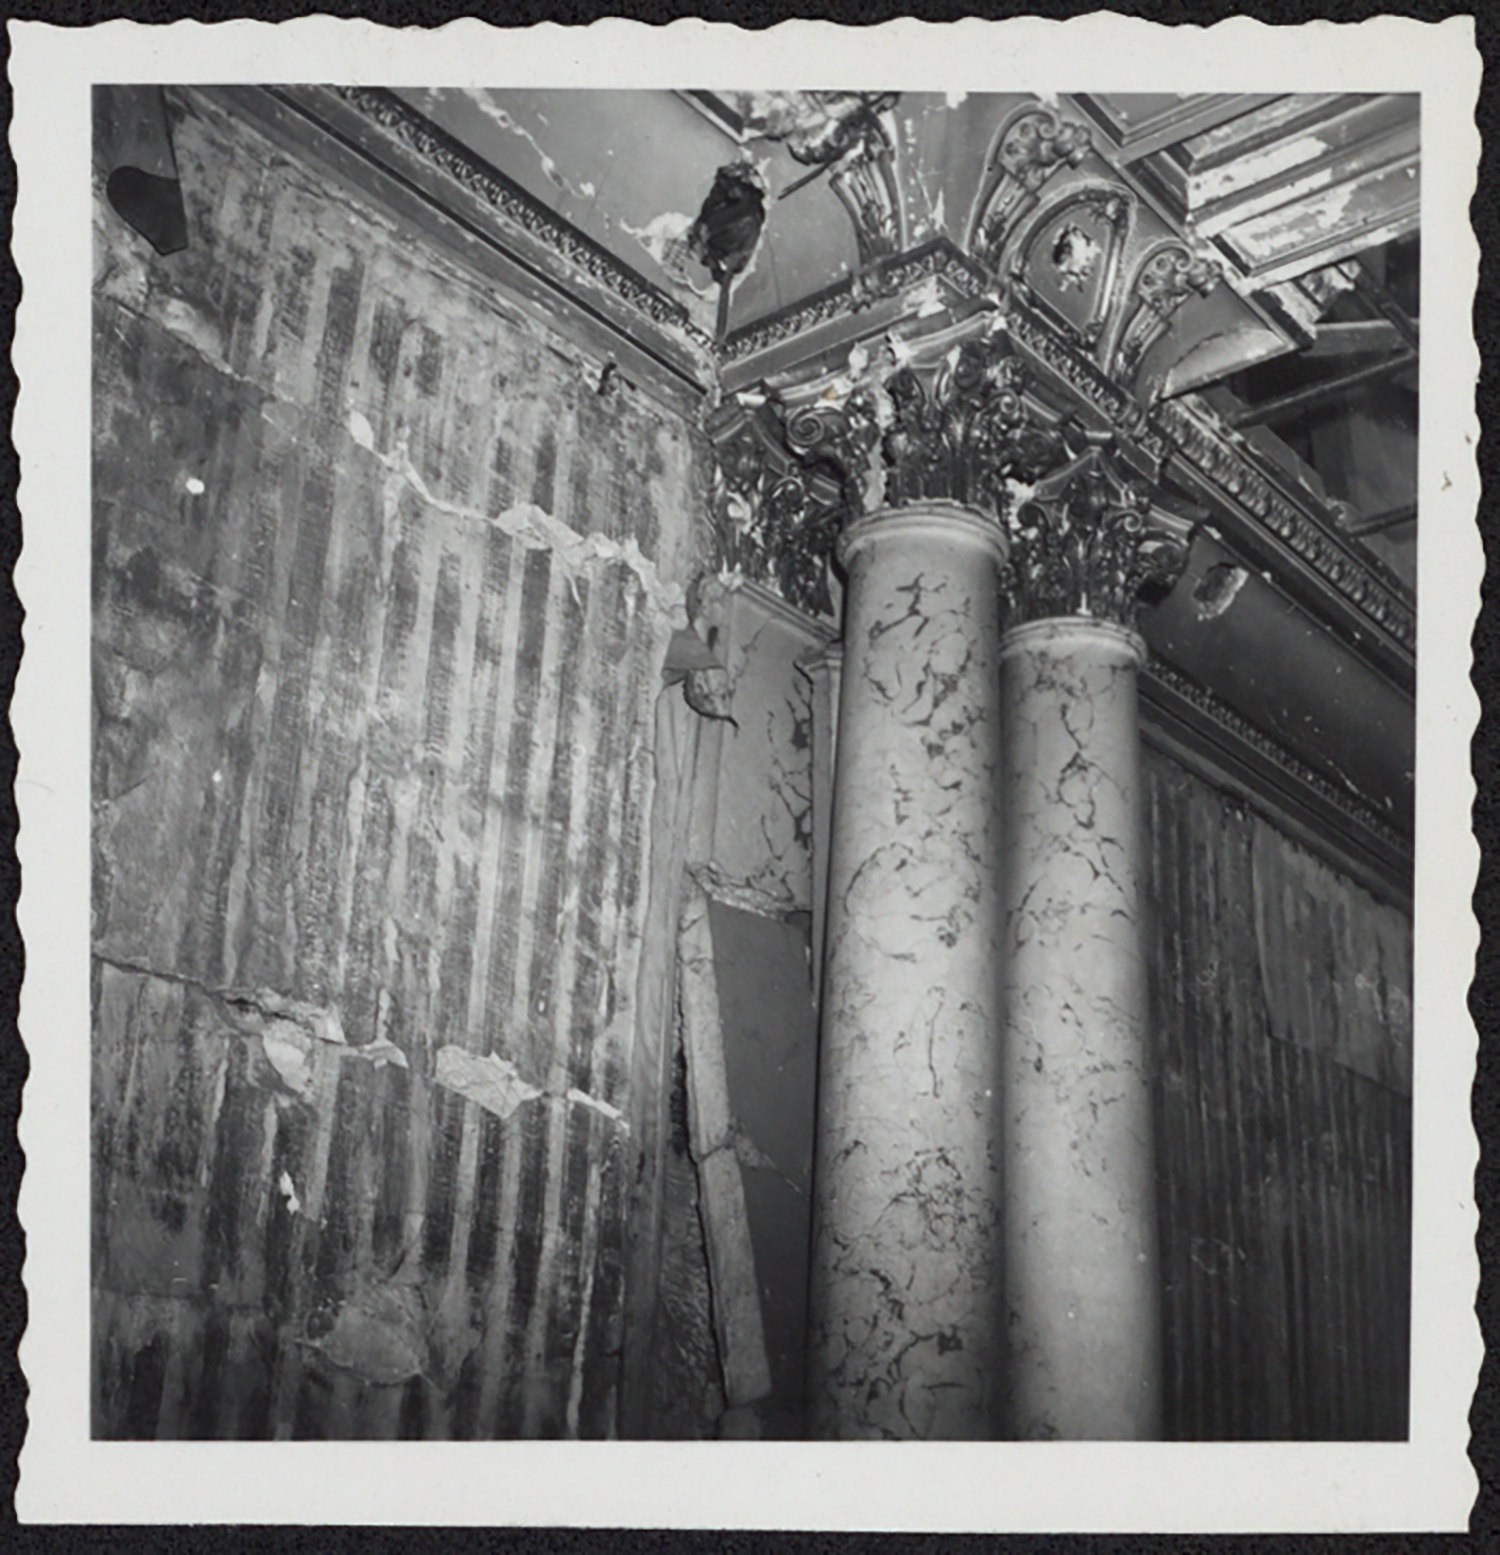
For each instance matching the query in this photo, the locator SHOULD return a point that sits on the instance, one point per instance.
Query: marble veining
(905, 1324)
(1080, 1227)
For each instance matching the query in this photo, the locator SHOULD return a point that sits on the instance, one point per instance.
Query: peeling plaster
(495, 1084)
(1257, 168)
(532, 526)
(550, 170)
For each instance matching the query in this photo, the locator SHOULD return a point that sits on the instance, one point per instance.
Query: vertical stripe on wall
(371, 762)
(1281, 994)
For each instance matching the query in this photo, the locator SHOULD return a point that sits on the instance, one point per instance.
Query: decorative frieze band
(1240, 730)
(938, 260)
(515, 206)
(1173, 427)
(1238, 479)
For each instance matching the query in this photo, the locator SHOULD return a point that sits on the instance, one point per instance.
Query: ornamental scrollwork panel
(1031, 145)
(1166, 278)
(1067, 259)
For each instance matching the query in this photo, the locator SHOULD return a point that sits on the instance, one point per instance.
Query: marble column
(1081, 1277)
(905, 1337)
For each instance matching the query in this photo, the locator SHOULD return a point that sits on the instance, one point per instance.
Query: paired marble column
(1082, 1280)
(905, 1334)
(984, 1243)
(1080, 1219)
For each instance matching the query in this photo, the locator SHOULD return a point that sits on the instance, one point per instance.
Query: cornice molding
(1177, 428)
(938, 260)
(1197, 728)
(1237, 479)
(516, 208)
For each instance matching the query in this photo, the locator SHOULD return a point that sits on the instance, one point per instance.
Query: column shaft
(1081, 1267)
(905, 1335)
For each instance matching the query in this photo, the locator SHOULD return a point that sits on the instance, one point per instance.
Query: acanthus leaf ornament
(783, 493)
(959, 428)
(1088, 541)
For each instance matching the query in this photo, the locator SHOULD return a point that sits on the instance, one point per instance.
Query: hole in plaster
(1216, 590)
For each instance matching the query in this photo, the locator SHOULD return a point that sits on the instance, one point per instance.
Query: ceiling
(1310, 203)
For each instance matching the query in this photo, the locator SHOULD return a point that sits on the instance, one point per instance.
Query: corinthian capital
(957, 427)
(782, 492)
(1088, 541)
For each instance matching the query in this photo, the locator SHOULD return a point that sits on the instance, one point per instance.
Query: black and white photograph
(743, 763)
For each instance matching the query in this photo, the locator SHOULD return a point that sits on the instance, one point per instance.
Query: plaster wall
(382, 582)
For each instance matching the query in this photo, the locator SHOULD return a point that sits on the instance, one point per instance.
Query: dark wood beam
(1393, 519)
(1316, 395)
(1358, 337)
(1386, 306)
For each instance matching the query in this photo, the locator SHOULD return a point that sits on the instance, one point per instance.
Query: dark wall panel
(1281, 999)
(372, 761)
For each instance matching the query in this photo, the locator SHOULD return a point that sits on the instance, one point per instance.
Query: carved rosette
(1087, 541)
(958, 428)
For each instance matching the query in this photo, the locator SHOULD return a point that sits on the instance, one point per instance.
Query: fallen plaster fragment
(733, 1284)
(361, 430)
(709, 694)
(744, 894)
(603, 1108)
(289, 1050)
(495, 1084)
(288, 1028)
(290, 1031)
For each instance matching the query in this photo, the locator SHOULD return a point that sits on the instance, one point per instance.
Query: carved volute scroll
(1087, 541)
(1030, 147)
(1167, 277)
(782, 493)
